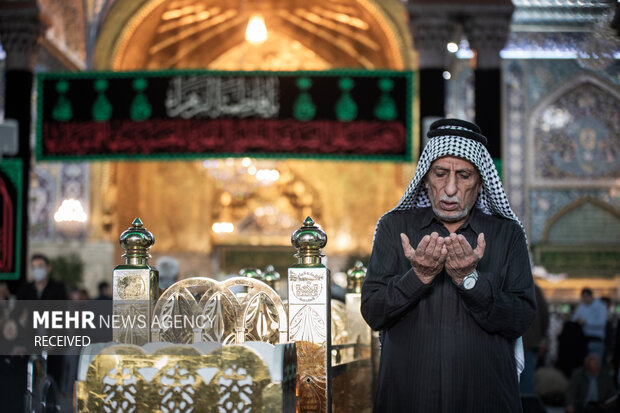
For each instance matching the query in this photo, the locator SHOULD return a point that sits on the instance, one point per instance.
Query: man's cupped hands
(434, 253)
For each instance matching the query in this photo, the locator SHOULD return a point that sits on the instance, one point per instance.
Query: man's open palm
(462, 259)
(428, 259)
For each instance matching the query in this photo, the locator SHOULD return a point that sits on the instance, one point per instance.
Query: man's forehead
(453, 161)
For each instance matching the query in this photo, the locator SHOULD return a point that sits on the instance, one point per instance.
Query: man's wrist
(424, 280)
(469, 281)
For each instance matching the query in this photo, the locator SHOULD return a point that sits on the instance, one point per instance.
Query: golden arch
(155, 34)
(135, 35)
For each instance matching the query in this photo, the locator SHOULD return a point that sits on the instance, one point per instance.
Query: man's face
(592, 365)
(587, 298)
(39, 265)
(453, 185)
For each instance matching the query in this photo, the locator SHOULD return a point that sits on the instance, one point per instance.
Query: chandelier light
(256, 32)
(70, 210)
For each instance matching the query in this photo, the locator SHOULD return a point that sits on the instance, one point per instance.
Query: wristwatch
(470, 280)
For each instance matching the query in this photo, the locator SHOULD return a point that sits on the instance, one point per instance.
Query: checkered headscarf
(463, 139)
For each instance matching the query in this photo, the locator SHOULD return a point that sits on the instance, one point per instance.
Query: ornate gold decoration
(177, 214)
(311, 377)
(277, 52)
(188, 33)
(182, 378)
(210, 311)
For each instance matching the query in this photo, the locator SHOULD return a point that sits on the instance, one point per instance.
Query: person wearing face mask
(43, 286)
(168, 268)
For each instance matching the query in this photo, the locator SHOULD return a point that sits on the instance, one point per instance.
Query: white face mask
(39, 274)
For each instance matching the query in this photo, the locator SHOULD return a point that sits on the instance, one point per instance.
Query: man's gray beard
(463, 214)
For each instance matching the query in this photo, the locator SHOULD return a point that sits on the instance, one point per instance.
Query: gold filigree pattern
(311, 377)
(210, 311)
(229, 379)
(308, 325)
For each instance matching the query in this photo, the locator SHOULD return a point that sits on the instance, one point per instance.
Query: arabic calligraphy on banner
(353, 114)
(214, 97)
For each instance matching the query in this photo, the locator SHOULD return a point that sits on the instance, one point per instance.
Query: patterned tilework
(590, 129)
(576, 134)
(514, 148)
(585, 223)
(42, 198)
(559, 42)
(545, 203)
(545, 75)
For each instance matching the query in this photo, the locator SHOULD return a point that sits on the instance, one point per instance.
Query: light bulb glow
(256, 32)
(267, 176)
(223, 227)
(70, 210)
(452, 47)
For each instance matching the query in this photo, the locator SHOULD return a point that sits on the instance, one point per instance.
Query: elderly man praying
(449, 284)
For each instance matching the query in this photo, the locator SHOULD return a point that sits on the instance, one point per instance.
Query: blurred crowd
(572, 356)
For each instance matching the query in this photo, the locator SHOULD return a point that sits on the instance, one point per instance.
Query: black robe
(447, 349)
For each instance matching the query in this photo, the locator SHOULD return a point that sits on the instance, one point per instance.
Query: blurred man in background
(168, 268)
(591, 314)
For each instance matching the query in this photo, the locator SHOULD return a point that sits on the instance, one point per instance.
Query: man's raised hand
(428, 259)
(462, 259)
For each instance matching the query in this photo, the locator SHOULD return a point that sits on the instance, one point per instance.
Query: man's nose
(451, 185)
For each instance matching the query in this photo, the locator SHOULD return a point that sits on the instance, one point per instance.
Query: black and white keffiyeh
(454, 137)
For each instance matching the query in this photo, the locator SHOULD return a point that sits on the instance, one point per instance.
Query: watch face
(469, 282)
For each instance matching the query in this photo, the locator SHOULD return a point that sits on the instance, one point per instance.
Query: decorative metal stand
(309, 316)
(135, 285)
(244, 347)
